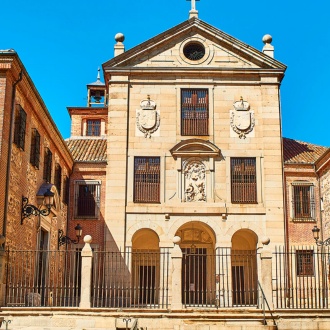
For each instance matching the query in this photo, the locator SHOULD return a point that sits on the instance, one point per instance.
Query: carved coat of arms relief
(147, 118)
(242, 118)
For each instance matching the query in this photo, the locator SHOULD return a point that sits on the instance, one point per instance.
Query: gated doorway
(244, 268)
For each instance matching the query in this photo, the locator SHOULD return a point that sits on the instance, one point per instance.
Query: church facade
(178, 171)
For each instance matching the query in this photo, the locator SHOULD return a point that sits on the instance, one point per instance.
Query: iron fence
(133, 279)
(301, 277)
(43, 278)
(224, 278)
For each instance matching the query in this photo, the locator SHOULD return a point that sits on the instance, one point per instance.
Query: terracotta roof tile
(88, 150)
(297, 152)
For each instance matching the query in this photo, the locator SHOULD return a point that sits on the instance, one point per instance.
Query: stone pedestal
(266, 276)
(176, 275)
(86, 273)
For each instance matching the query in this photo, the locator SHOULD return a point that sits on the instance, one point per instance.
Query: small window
(243, 180)
(35, 148)
(147, 180)
(48, 159)
(303, 201)
(87, 199)
(305, 262)
(93, 127)
(194, 112)
(194, 51)
(20, 127)
(58, 178)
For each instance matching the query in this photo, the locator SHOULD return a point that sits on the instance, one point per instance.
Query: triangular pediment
(166, 51)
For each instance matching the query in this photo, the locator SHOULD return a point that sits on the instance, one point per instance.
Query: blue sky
(62, 43)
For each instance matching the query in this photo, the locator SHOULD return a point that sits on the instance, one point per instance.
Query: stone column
(86, 273)
(266, 276)
(176, 274)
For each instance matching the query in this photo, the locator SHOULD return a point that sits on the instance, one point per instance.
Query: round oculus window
(194, 51)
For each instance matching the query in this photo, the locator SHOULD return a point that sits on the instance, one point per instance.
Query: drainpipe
(11, 137)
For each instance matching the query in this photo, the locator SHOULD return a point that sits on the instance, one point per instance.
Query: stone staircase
(92, 319)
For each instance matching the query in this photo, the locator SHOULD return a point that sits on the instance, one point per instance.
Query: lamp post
(316, 234)
(30, 209)
(63, 239)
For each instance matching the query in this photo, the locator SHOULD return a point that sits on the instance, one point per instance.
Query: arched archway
(198, 263)
(244, 267)
(145, 267)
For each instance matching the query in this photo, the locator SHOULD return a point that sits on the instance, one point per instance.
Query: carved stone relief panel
(195, 182)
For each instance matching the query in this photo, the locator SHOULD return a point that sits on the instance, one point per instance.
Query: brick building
(178, 170)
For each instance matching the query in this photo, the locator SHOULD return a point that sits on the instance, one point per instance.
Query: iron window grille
(303, 202)
(58, 178)
(87, 199)
(48, 160)
(243, 180)
(93, 127)
(305, 262)
(194, 112)
(35, 148)
(20, 127)
(147, 180)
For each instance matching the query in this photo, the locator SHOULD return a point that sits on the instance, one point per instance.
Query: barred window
(305, 262)
(48, 165)
(35, 148)
(93, 127)
(194, 112)
(87, 199)
(20, 126)
(147, 180)
(58, 178)
(303, 201)
(243, 180)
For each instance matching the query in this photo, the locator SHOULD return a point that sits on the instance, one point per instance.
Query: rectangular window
(58, 178)
(20, 127)
(194, 112)
(35, 148)
(48, 165)
(303, 201)
(243, 180)
(93, 127)
(305, 262)
(87, 199)
(147, 180)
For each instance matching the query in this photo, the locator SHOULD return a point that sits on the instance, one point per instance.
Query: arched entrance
(145, 267)
(198, 263)
(244, 267)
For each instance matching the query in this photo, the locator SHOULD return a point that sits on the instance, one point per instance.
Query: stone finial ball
(88, 239)
(176, 239)
(265, 240)
(119, 37)
(267, 39)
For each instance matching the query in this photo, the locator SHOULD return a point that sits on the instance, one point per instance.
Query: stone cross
(193, 4)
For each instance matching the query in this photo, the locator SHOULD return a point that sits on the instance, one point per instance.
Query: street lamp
(316, 234)
(63, 239)
(30, 209)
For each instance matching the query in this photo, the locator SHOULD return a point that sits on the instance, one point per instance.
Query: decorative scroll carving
(195, 182)
(195, 235)
(16, 157)
(147, 118)
(242, 119)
